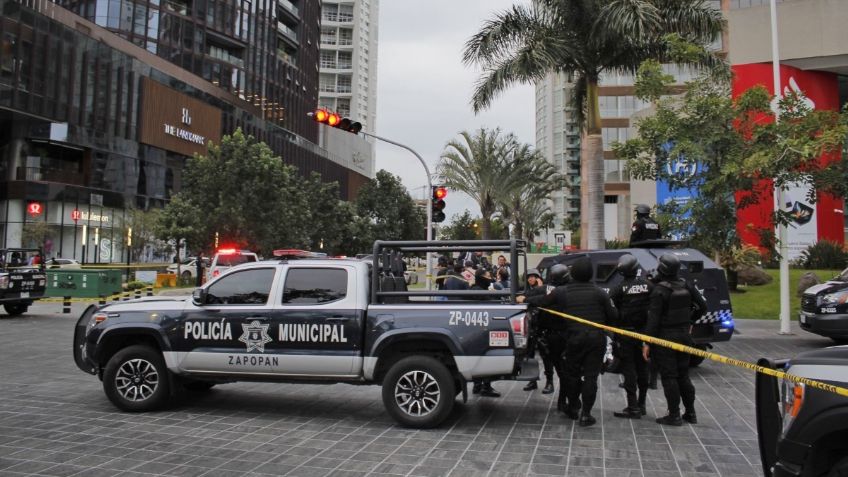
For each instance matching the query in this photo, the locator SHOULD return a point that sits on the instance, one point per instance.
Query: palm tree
(480, 166)
(584, 38)
(537, 178)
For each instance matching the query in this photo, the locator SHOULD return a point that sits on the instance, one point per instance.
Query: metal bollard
(149, 291)
(137, 293)
(66, 304)
(101, 300)
(125, 296)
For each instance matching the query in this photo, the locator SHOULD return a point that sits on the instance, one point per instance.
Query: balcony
(337, 17)
(289, 6)
(43, 174)
(287, 33)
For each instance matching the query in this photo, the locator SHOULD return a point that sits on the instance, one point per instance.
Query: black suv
(803, 431)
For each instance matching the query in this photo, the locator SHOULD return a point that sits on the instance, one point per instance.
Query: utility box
(83, 283)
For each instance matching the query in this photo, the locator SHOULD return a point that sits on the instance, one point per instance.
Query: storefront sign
(76, 215)
(35, 209)
(175, 121)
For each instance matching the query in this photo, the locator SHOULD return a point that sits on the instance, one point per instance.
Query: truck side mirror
(198, 297)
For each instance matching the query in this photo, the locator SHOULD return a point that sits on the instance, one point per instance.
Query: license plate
(24, 294)
(803, 319)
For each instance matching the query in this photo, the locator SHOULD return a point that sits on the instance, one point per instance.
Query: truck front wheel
(15, 309)
(136, 379)
(418, 392)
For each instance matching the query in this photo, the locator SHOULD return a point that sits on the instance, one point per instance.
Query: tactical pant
(634, 368)
(552, 358)
(584, 356)
(674, 371)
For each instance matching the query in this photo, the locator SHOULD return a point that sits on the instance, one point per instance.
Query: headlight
(838, 298)
(4, 281)
(793, 399)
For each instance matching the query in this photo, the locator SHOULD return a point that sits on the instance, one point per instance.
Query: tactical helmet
(669, 265)
(581, 269)
(642, 209)
(533, 271)
(559, 275)
(627, 265)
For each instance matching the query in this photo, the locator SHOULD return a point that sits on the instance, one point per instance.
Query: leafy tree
(35, 234)
(734, 147)
(247, 195)
(584, 38)
(385, 203)
(461, 227)
(178, 221)
(480, 166)
(144, 224)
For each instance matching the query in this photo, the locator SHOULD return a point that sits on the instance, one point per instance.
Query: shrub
(824, 255)
(135, 285)
(616, 243)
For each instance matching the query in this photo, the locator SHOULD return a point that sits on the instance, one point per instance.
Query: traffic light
(334, 120)
(439, 194)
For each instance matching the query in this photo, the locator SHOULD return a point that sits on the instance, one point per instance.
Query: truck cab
(22, 278)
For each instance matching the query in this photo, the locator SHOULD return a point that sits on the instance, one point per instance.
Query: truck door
(231, 331)
(318, 323)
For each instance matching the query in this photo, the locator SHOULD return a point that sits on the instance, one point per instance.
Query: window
(248, 287)
(314, 285)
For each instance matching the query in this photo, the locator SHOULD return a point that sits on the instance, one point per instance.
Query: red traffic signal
(334, 120)
(439, 194)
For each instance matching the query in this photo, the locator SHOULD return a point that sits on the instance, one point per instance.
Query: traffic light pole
(429, 268)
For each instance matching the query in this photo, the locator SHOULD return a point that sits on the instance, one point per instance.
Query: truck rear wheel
(136, 379)
(418, 392)
(15, 309)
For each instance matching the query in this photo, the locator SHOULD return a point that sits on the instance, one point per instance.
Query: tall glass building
(102, 102)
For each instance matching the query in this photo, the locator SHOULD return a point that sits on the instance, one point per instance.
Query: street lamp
(84, 241)
(783, 249)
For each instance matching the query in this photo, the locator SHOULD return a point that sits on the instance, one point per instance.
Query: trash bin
(88, 283)
(166, 280)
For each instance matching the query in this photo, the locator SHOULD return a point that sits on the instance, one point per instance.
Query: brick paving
(55, 420)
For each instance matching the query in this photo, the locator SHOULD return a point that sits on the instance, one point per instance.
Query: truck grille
(808, 303)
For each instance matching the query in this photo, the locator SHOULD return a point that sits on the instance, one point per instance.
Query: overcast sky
(423, 89)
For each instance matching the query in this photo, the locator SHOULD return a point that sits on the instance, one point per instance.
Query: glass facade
(71, 100)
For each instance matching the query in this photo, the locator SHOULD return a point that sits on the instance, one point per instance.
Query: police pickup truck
(314, 320)
(824, 308)
(714, 326)
(803, 431)
(20, 283)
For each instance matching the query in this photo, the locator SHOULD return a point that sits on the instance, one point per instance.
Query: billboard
(811, 222)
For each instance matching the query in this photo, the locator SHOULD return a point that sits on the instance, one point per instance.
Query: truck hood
(150, 303)
(831, 356)
(826, 288)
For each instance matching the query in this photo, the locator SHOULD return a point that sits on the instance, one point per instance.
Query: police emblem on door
(255, 336)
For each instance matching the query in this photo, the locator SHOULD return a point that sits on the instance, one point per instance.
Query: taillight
(519, 330)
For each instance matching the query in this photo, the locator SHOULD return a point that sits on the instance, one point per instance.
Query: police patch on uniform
(255, 336)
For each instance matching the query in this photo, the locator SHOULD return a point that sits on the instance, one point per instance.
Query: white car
(227, 258)
(188, 267)
(68, 263)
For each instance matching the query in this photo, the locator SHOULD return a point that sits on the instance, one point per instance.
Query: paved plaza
(56, 420)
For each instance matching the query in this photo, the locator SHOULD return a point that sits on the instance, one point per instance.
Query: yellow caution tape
(117, 297)
(706, 354)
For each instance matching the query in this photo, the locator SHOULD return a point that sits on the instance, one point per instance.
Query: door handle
(338, 318)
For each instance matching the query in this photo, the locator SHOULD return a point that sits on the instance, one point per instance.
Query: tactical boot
(572, 413)
(489, 391)
(690, 417)
(549, 387)
(476, 388)
(586, 420)
(670, 420)
(629, 413)
(531, 386)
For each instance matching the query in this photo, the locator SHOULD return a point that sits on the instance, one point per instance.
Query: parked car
(227, 258)
(188, 267)
(68, 263)
(824, 308)
(20, 284)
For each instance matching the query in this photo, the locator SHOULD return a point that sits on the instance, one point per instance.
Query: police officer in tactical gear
(585, 347)
(674, 306)
(631, 297)
(535, 287)
(644, 227)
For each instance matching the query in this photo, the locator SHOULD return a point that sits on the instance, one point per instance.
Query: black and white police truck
(314, 320)
(21, 282)
(803, 431)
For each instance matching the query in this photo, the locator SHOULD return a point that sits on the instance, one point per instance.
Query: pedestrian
(585, 346)
(502, 263)
(502, 278)
(483, 281)
(536, 287)
(456, 281)
(469, 271)
(674, 307)
(441, 272)
(198, 263)
(631, 298)
(644, 227)
(36, 260)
